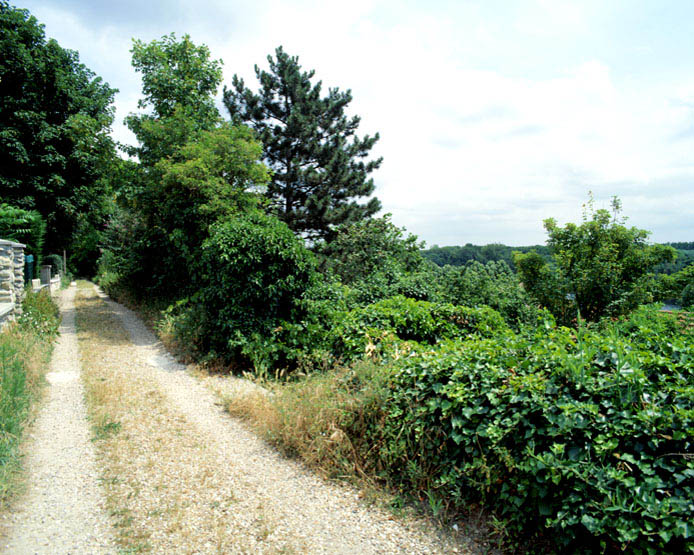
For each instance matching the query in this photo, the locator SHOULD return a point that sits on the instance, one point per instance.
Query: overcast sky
(493, 115)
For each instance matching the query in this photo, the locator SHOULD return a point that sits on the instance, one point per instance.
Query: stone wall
(11, 280)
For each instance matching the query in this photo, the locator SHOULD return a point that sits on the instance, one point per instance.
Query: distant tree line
(494, 252)
(685, 257)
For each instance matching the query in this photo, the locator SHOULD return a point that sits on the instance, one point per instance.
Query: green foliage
(194, 171)
(601, 264)
(377, 259)
(208, 181)
(24, 353)
(672, 287)
(381, 328)
(209, 177)
(687, 298)
(56, 262)
(124, 244)
(23, 226)
(685, 257)
(39, 314)
(362, 249)
(585, 435)
(493, 284)
(261, 271)
(55, 118)
(179, 82)
(546, 286)
(310, 144)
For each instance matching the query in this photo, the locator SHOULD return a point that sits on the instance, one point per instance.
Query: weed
(106, 430)
(25, 349)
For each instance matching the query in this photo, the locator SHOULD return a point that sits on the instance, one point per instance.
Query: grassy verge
(25, 349)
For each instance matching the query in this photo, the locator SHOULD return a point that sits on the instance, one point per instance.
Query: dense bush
(584, 434)
(56, 262)
(371, 329)
(687, 298)
(252, 274)
(377, 259)
(493, 284)
(39, 314)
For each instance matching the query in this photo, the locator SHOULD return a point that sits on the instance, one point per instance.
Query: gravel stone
(63, 508)
(288, 507)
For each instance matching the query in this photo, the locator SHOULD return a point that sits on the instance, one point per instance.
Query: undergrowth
(575, 440)
(25, 349)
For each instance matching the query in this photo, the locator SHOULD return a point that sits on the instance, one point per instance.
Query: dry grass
(322, 420)
(163, 489)
(325, 420)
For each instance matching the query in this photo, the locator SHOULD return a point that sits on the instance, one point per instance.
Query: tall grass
(25, 348)
(325, 419)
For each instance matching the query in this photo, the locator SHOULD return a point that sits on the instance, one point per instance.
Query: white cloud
(490, 119)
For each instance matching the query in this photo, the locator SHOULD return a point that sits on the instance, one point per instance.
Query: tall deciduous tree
(179, 82)
(193, 169)
(601, 264)
(55, 118)
(320, 166)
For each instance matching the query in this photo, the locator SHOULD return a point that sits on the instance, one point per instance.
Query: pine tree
(320, 166)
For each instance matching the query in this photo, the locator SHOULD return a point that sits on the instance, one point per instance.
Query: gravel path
(301, 512)
(63, 510)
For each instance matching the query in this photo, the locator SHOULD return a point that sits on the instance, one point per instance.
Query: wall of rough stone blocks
(11, 280)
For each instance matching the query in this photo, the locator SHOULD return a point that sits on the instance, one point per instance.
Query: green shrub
(252, 275)
(372, 329)
(687, 298)
(124, 264)
(40, 314)
(493, 284)
(56, 261)
(585, 435)
(23, 226)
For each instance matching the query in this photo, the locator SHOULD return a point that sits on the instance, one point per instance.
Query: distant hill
(461, 255)
(685, 257)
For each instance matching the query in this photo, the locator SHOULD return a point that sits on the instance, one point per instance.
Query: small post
(46, 275)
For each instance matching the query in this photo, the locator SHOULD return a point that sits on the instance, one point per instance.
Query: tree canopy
(193, 171)
(600, 264)
(55, 118)
(179, 82)
(320, 165)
